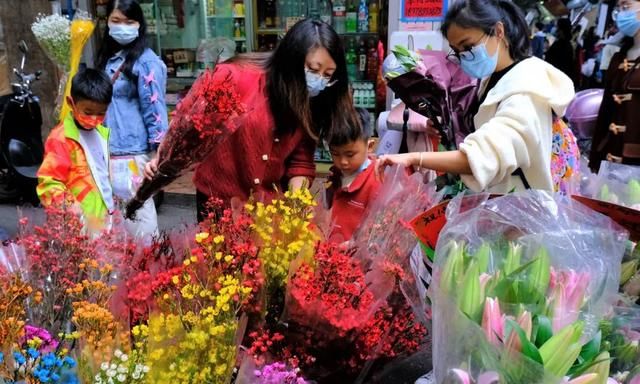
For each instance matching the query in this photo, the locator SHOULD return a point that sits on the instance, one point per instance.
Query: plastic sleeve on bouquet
(520, 284)
(204, 118)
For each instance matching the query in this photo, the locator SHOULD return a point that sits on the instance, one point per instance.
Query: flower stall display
(206, 116)
(520, 285)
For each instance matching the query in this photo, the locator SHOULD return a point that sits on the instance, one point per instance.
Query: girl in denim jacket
(137, 115)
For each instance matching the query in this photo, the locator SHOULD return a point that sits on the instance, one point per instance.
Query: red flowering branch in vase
(205, 117)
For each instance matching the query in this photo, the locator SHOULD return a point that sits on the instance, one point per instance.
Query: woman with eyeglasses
(518, 97)
(293, 97)
(617, 134)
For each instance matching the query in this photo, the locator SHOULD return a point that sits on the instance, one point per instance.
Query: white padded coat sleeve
(517, 136)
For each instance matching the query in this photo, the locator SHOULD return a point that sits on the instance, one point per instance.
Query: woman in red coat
(294, 96)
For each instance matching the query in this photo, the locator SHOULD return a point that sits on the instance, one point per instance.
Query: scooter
(21, 147)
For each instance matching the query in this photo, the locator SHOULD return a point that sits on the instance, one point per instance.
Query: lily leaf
(592, 348)
(542, 330)
(528, 348)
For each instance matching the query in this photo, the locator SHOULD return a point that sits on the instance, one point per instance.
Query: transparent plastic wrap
(53, 33)
(80, 32)
(385, 240)
(618, 184)
(520, 284)
(205, 117)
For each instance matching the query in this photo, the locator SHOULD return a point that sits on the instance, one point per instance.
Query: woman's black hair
(132, 10)
(484, 15)
(286, 86)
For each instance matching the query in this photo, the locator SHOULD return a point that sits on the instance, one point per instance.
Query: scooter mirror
(23, 47)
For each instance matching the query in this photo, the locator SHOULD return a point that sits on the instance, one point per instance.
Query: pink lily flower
(526, 323)
(568, 289)
(463, 376)
(493, 321)
(589, 378)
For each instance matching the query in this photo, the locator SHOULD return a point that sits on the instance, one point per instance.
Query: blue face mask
(316, 83)
(628, 23)
(123, 34)
(481, 65)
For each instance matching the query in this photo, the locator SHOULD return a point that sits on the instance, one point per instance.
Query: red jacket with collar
(349, 205)
(253, 159)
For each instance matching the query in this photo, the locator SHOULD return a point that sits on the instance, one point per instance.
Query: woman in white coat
(518, 98)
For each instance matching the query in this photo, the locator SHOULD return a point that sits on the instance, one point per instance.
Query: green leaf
(471, 300)
(483, 256)
(542, 330)
(592, 348)
(528, 348)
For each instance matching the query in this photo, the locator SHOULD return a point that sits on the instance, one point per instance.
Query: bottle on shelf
(280, 7)
(313, 9)
(373, 16)
(357, 97)
(352, 17)
(237, 33)
(243, 32)
(339, 16)
(269, 13)
(372, 61)
(372, 97)
(352, 60)
(325, 11)
(363, 16)
(362, 60)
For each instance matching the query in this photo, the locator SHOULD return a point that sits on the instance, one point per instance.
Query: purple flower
(47, 342)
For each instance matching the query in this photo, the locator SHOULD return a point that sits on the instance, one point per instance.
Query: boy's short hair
(540, 26)
(349, 134)
(93, 85)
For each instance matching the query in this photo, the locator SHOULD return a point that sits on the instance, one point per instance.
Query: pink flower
(525, 322)
(493, 321)
(568, 289)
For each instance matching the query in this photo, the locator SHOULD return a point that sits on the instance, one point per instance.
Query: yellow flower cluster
(284, 232)
(13, 294)
(194, 348)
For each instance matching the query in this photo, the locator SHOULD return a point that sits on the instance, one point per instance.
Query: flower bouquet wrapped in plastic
(618, 184)
(520, 283)
(619, 350)
(205, 117)
(80, 31)
(386, 242)
(53, 33)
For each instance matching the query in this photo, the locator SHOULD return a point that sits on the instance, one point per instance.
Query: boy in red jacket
(352, 185)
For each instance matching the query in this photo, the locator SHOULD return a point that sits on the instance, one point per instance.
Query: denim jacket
(137, 116)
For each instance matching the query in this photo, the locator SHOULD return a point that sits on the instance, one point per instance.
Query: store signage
(422, 10)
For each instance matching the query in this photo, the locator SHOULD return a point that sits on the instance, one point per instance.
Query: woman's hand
(404, 159)
(151, 168)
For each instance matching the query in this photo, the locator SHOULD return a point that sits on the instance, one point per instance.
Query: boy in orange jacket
(76, 159)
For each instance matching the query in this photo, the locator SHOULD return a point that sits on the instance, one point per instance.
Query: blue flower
(1, 357)
(49, 360)
(55, 377)
(69, 362)
(19, 358)
(33, 353)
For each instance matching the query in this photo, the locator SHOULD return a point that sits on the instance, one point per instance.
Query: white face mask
(123, 34)
(316, 83)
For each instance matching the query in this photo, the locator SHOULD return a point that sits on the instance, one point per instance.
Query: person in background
(352, 186)
(294, 96)
(137, 116)
(512, 144)
(561, 54)
(617, 135)
(76, 158)
(538, 41)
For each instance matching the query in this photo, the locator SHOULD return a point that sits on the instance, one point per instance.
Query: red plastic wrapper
(203, 119)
